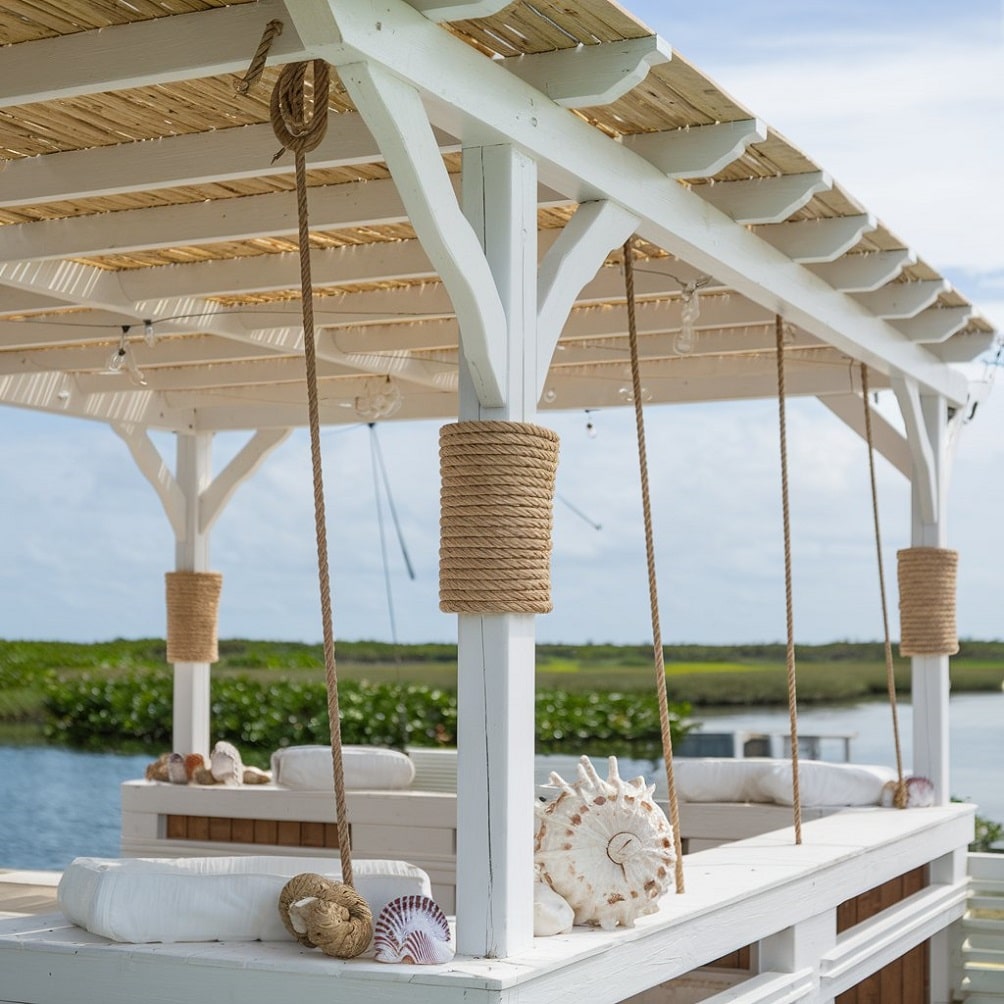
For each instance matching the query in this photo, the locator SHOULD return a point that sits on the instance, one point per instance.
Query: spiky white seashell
(412, 929)
(604, 846)
(551, 912)
(225, 764)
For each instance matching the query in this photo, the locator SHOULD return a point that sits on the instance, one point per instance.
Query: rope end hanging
(272, 31)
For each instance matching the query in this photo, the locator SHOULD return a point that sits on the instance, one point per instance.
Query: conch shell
(604, 846)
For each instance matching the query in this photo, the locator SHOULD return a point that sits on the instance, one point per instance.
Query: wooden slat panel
(265, 831)
(177, 828)
(330, 834)
(220, 828)
(288, 833)
(198, 827)
(312, 834)
(242, 831)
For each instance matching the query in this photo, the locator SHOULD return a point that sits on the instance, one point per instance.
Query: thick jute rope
(193, 601)
(927, 601)
(900, 797)
(789, 606)
(301, 132)
(496, 512)
(328, 915)
(653, 590)
(272, 31)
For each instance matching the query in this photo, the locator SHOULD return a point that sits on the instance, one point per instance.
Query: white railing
(982, 932)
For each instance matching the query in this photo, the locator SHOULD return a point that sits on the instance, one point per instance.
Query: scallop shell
(225, 764)
(412, 929)
(604, 846)
(919, 793)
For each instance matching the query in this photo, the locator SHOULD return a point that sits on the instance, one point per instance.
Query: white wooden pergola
(484, 162)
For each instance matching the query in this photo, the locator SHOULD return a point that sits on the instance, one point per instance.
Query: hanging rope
(272, 31)
(653, 593)
(890, 676)
(301, 132)
(789, 607)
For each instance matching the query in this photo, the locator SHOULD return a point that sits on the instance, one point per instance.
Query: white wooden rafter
(458, 10)
(862, 273)
(188, 159)
(590, 75)
(936, 324)
(142, 53)
(810, 241)
(764, 200)
(465, 93)
(899, 300)
(697, 152)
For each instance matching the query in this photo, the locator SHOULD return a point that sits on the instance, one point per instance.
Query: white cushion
(711, 779)
(308, 768)
(822, 783)
(139, 900)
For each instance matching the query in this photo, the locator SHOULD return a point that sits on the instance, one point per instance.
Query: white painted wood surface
(744, 892)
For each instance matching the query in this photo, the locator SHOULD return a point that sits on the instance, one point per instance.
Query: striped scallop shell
(412, 929)
(605, 846)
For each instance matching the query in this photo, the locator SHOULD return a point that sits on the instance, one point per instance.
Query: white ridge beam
(158, 51)
(861, 273)
(817, 240)
(903, 299)
(590, 75)
(220, 155)
(936, 324)
(700, 152)
(764, 200)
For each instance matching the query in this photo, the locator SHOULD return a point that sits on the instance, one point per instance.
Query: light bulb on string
(117, 360)
(149, 335)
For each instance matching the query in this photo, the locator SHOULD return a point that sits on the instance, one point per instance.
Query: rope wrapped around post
(927, 601)
(193, 601)
(496, 505)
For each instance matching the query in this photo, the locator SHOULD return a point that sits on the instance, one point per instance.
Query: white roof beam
(817, 240)
(221, 155)
(590, 75)
(473, 99)
(936, 324)
(861, 273)
(764, 200)
(198, 350)
(900, 300)
(700, 152)
(159, 51)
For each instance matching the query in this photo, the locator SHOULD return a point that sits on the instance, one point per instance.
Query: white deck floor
(737, 894)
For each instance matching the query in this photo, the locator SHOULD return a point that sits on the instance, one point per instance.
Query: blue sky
(905, 112)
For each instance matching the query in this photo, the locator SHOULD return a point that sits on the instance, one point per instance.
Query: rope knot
(298, 128)
(321, 913)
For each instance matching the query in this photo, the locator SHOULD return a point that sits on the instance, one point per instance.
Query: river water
(57, 804)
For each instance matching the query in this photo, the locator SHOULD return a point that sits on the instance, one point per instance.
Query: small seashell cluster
(604, 846)
(412, 929)
(919, 793)
(191, 768)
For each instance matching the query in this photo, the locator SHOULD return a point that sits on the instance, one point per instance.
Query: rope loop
(295, 127)
(272, 31)
(321, 913)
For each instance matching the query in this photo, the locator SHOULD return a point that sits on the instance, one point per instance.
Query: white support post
(190, 726)
(800, 948)
(496, 653)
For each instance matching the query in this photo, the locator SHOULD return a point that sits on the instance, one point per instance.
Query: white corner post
(929, 428)
(190, 728)
(496, 653)
(192, 501)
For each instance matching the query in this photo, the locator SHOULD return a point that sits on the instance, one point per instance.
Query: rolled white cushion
(308, 768)
(140, 900)
(821, 784)
(713, 779)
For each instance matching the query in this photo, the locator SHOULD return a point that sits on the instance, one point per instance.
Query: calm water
(56, 804)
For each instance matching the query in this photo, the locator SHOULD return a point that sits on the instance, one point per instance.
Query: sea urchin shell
(605, 846)
(412, 929)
